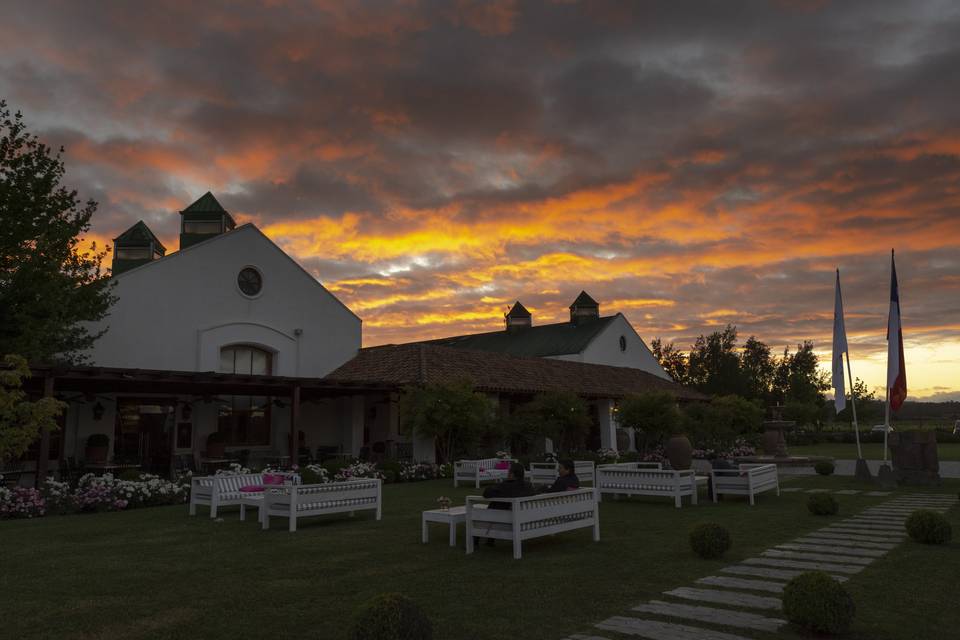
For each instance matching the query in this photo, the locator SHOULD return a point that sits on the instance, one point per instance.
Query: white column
(353, 414)
(608, 426)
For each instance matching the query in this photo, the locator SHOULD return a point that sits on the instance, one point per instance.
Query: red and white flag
(896, 368)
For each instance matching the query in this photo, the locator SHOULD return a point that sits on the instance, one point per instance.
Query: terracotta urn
(679, 452)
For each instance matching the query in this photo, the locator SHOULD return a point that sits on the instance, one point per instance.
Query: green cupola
(134, 247)
(203, 220)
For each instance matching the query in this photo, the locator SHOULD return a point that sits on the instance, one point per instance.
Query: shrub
(391, 616)
(823, 504)
(709, 540)
(389, 476)
(132, 475)
(816, 602)
(928, 527)
(98, 440)
(313, 474)
(824, 467)
(21, 502)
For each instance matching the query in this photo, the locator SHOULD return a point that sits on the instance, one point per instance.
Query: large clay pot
(679, 452)
(96, 454)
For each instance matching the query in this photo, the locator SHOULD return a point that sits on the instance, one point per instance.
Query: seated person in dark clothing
(567, 479)
(513, 487)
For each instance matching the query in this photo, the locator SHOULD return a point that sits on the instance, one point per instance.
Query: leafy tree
(561, 416)
(868, 407)
(756, 369)
(452, 413)
(713, 365)
(797, 377)
(48, 287)
(673, 361)
(720, 422)
(21, 422)
(652, 415)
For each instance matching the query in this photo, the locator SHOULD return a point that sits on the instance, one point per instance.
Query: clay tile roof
(423, 364)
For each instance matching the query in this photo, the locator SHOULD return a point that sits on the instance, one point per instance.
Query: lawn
(157, 573)
(871, 451)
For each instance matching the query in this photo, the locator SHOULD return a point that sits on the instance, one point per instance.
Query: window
(623, 343)
(134, 253)
(250, 281)
(202, 226)
(245, 420)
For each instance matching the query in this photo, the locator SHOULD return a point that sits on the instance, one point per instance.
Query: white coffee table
(452, 516)
(254, 500)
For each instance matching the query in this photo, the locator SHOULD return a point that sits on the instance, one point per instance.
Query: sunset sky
(689, 164)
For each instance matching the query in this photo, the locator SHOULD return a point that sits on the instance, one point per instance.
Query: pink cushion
(503, 465)
(481, 469)
(252, 488)
(273, 478)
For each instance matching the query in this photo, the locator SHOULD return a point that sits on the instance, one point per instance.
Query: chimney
(584, 309)
(203, 220)
(518, 318)
(134, 247)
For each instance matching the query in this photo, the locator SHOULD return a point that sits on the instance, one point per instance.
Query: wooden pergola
(49, 380)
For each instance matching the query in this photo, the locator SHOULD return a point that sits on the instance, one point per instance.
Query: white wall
(177, 312)
(605, 349)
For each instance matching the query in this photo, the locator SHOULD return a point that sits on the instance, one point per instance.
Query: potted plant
(98, 444)
(216, 445)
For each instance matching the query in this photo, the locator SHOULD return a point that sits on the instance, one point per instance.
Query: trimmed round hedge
(816, 602)
(823, 504)
(928, 527)
(391, 616)
(709, 540)
(824, 468)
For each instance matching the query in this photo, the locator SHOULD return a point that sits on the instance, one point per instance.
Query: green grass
(871, 451)
(157, 573)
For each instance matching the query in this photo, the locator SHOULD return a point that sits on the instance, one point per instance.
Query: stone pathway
(748, 598)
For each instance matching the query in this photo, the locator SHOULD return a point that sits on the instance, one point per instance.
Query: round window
(250, 281)
(623, 343)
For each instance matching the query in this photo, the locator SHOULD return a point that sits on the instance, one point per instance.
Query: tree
(673, 361)
(868, 407)
(452, 413)
(726, 418)
(651, 415)
(561, 416)
(798, 379)
(756, 369)
(21, 422)
(713, 366)
(48, 287)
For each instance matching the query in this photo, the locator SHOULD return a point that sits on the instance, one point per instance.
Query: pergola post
(294, 422)
(41, 475)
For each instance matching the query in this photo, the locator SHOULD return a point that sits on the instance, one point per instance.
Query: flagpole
(853, 406)
(886, 425)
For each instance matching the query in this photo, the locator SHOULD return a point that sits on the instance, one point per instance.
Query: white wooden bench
(304, 500)
(631, 479)
(746, 480)
(542, 473)
(224, 489)
(477, 471)
(532, 517)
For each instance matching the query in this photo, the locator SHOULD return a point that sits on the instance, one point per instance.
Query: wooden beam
(44, 453)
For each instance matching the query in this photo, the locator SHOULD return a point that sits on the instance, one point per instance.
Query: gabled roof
(140, 232)
(425, 364)
(584, 300)
(561, 338)
(208, 204)
(518, 311)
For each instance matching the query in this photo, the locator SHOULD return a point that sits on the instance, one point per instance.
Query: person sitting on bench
(513, 487)
(567, 479)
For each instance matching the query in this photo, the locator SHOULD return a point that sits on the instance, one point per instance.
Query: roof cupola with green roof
(518, 318)
(203, 220)
(134, 247)
(584, 308)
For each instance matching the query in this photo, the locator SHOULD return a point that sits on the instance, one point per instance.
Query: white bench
(304, 500)
(747, 480)
(477, 471)
(632, 479)
(532, 517)
(541, 473)
(224, 489)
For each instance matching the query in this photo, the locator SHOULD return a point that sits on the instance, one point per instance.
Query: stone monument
(914, 455)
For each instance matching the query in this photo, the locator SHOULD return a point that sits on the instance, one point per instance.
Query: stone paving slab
(817, 491)
(845, 542)
(895, 523)
(867, 526)
(816, 557)
(769, 572)
(655, 630)
(819, 548)
(809, 566)
(847, 492)
(732, 598)
(580, 636)
(742, 583)
(875, 536)
(877, 494)
(853, 537)
(791, 489)
(724, 617)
